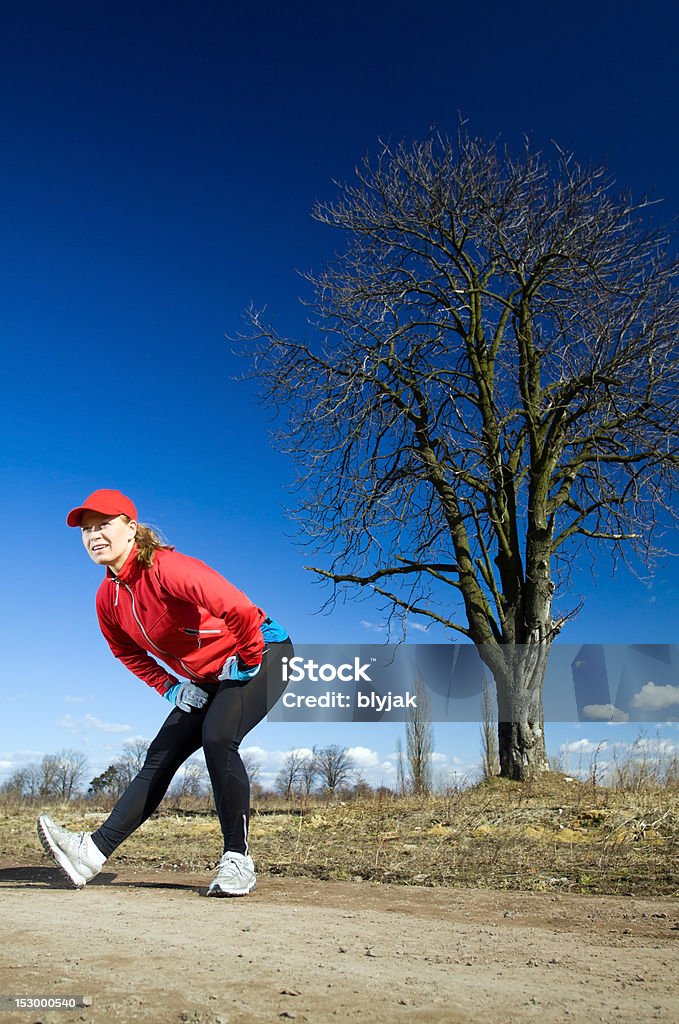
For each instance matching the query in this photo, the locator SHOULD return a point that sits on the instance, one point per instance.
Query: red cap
(109, 503)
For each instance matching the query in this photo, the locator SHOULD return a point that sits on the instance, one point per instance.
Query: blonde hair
(148, 541)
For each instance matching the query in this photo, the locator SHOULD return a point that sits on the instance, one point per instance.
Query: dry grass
(554, 835)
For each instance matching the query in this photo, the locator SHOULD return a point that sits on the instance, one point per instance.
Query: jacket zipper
(148, 639)
(201, 632)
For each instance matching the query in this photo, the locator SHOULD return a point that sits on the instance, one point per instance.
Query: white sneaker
(235, 876)
(75, 854)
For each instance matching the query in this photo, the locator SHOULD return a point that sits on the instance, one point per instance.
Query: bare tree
(308, 773)
(361, 787)
(34, 781)
(334, 767)
(252, 766)
(192, 782)
(490, 762)
(420, 741)
(491, 385)
(47, 773)
(131, 761)
(401, 779)
(55, 777)
(69, 772)
(290, 773)
(21, 784)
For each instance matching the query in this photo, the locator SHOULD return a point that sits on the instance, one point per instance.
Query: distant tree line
(120, 773)
(321, 772)
(57, 776)
(328, 769)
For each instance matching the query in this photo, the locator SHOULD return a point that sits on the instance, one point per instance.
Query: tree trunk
(519, 672)
(522, 750)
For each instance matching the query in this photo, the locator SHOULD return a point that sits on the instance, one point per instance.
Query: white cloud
(365, 760)
(583, 747)
(270, 761)
(363, 757)
(258, 752)
(90, 722)
(382, 627)
(460, 762)
(438, 758)
(651, 745)
(654, 698)
(21, 755)
(12, 760)
(417, 625)
(300, 751)
(76, 700)
(605, 713)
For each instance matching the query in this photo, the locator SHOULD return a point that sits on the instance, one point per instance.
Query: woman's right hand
(186, 696)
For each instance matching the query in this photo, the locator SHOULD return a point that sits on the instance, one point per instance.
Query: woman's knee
(217, 736)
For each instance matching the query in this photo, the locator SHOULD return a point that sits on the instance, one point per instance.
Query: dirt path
(147, 947)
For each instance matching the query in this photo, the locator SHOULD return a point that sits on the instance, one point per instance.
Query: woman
(157, 603)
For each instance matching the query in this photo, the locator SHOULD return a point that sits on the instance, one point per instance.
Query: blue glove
(186, 696)
(237, 671)
(273, 632)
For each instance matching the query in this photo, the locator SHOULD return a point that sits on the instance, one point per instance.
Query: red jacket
(181, 611)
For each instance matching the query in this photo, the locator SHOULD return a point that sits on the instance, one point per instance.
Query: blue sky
(158, 166)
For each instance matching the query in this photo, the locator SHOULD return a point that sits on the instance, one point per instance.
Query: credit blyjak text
(347, 677)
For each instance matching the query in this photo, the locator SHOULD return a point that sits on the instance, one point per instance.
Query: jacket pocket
(200, 633)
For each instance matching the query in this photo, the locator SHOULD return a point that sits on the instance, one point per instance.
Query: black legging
(219, 728)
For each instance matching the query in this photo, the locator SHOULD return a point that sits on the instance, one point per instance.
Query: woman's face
(107, 539)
